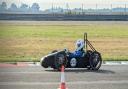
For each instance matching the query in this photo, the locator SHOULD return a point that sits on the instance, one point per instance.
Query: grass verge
(20, 42)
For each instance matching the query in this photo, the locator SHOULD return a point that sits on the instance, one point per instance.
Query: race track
(36, 77)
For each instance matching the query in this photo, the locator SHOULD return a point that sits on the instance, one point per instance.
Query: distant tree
(3, 6)
(35, 7)
(13, 7)
(24, 7)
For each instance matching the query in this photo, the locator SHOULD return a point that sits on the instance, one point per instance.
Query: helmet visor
(78, 45)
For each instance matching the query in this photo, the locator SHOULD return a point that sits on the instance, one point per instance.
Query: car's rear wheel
(95, 60)
(60, 59)
(89, 52)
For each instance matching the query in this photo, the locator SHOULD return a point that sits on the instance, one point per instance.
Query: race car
(80, 58)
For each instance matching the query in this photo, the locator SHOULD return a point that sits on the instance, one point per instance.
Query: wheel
(53, 66)
(95, 60)
(89, 53)
(43, 62)
(60, 59)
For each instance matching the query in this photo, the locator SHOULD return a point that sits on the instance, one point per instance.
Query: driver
(79, 49)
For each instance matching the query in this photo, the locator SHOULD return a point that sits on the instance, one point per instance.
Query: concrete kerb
(38, 63)
(115, 62)
(104, 63)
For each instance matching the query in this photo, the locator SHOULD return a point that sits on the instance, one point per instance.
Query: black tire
(53, 66)
(95, 60)
(89, 53)
(43, 63)
(60, 59)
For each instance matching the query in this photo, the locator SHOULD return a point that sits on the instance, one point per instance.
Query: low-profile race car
(83, 58)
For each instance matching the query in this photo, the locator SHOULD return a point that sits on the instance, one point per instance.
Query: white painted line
(99, 82)
(124, 62)
(112, 62)
(38, 64)
(104, 63)
(74, 82)
(28, 83)
(43, 72)
(115, 63)
(31, 64)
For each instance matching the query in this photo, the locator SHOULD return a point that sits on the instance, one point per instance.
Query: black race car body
(90, 59)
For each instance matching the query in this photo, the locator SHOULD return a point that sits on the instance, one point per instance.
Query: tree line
(23, 7)
(35, 8)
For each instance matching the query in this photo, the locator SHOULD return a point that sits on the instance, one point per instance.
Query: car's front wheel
(60, 59)
(43, 62)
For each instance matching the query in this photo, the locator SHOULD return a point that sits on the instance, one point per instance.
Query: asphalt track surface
(36, 77)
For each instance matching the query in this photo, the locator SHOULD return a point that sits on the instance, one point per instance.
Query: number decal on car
(73, 62)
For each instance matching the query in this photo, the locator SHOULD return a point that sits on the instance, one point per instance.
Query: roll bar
(87, 43)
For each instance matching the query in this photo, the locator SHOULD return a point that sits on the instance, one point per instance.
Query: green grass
(31, 42)
(63, 31)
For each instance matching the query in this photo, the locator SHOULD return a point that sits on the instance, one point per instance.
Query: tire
(89, 53)
(95, 60)
(53, 66)
(60, 59)
(43, 63)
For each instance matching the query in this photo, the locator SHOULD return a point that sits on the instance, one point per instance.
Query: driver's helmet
(79, 44)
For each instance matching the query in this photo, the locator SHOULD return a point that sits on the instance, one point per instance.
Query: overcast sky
(44, 4)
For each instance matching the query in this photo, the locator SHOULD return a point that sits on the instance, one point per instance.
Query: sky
(45, 4)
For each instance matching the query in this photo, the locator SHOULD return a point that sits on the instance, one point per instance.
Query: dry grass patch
(29, 42)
